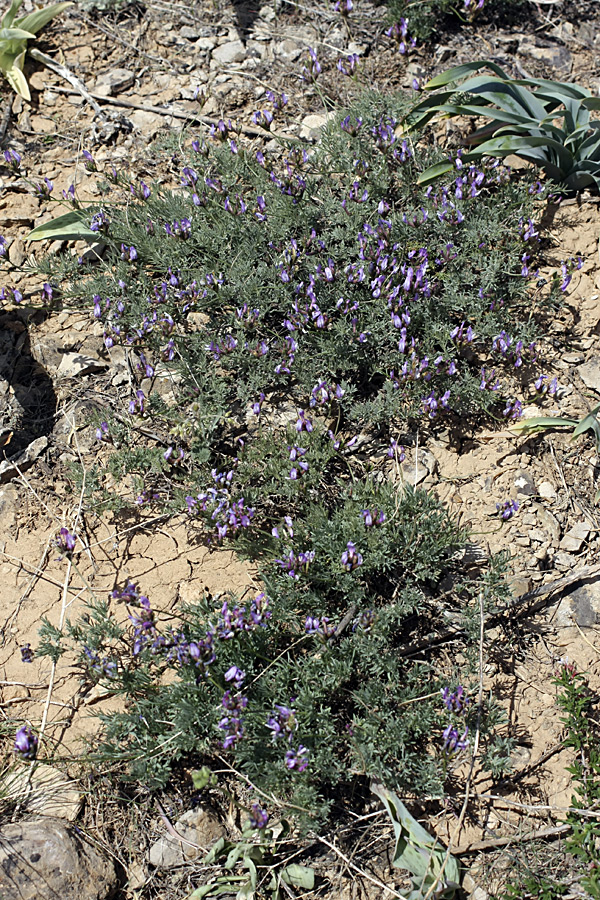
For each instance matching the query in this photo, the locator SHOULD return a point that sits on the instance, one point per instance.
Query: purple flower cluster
(453, 741)
(300, 465)
(259, 817)
(102, 666)
(237, 620)
(455, 701)
(283, 723)
(232, 723)
(567, 268)
(228, 515)
(507, 508)
(513, 352)
(542, 388)
(313, 69)
(292, 563)
(320, 627)
(373, 517)
(26, 743)
(398, 32)
(65, 541)
(351, 559)
(27, 653)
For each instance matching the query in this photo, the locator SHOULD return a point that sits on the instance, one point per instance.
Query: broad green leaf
(300, 876)
(15, 34)
(506, 95)
(522, 145)
(15, 77)
(36, 20)
(435, 172)
(554, 90)
(71, 226)
(458, 72)
(416, 850)
(11, 13)
(540, 423)
(217, 849)
(591, 102)
(202, 892)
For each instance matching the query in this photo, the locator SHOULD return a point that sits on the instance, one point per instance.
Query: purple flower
(26, 743)
(103, 433)
(90, 163)
(507, 508)
(351, 558)
(455, 701)
(235, 674)
(65, 541)
(297, 759)
(282, 721)
(259, 816)
(453, 743)
(27, 653)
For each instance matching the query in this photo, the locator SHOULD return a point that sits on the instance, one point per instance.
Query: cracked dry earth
(160, 68)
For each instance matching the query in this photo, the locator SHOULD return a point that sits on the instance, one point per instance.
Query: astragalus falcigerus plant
(352, 306)
(547, 123)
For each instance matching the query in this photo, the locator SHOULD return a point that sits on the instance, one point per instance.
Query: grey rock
(9, 504)
(46, 858)
(580, 607)
(589, 373)
(44, 790)
(94, 252)
(114, 81)
(575, 537)
(16, 252)
(524, 484)
(10, 468)
(198, 826)
(205, 43)
(74, 365)
(549, 522)
(147, 122)
(563, 560)
(553, 55)
(189, 33)
(228, 53)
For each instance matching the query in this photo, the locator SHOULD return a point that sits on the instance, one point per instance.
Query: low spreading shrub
(426, 16)
(314, 309)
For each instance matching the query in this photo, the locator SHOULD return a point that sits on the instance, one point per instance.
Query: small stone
(43, 790)
(575, 537)
(228, 53)
(74, 365)
(189, 33)
(546, 490)
(313, 125)
(147, 122)
(524, 484)
(205, 43)
(45, 857)
(16, 253)
(12, 468)
(519, 585)
(589, 373)
(563, 560)
(198, 826)
(114, 81)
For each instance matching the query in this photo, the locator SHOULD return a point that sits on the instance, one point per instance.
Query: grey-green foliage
(547, 123)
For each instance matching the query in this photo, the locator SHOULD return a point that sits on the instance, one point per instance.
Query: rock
(45, 857)
(19, 209)
(546, 490)
(563, 560)
(573, 540)
(198, 321)
(589, 373)
(74, 365)
(313, 125)
(43, 790)
(549, 522)
(9, 502)
(199, 826)
(114, 81)
(16, 253)
(147, 122)
(94, 252)
(524, 484)
(553, 55)
(205, 43)
(580, 607)
(8, 468)
(228, 53)
(189, 33)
